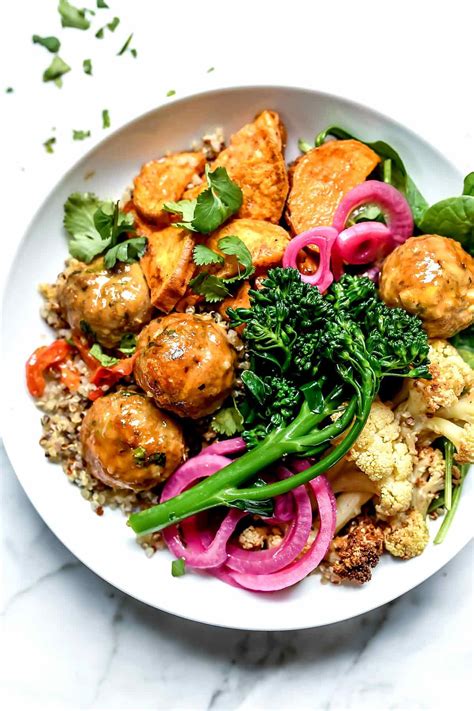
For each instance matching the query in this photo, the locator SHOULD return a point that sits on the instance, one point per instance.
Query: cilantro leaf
(125, 46)
(211, 287)
(228, 421)
(142, 459)
(56, 70)
(178, 567)
(128, 344)
(113, 24)
(49, 145)
(203, 256)
(233, 246)
(100, 33)
(105, 119)
(213, 206)
(171, 92)
(128, 252)
(87, 66)
(102, 5)
(105, 360)
(52, 44)
(80, 135)
(72, 16)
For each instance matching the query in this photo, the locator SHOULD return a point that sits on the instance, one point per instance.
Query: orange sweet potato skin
(254, 160)
(321, 177)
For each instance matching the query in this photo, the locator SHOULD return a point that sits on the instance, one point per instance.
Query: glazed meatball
(433, 277)
(127, 442)
(186, 363)
(111, 302)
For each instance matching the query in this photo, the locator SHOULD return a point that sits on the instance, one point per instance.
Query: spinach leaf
(464, 343)
(452, 217)
(468, 188)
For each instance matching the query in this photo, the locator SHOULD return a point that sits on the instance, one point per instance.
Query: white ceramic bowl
(105, 544)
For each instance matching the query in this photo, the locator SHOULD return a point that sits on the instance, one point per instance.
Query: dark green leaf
(128, 252)
(113, 24)
(49, 145)
(464, 343)
(56, 70)
(100, 33)
(313, 395)
(211, 287)
(178, 568)
(128, 344)
(228, 421)
(105, 119)
(186, 209)
(233, 246)
(102, 5)
(80, 135)
(468, 187)
(9, 90)
(72, 16)
(203, 256)
(52, 44)
(453, 217)
(87, 66)
(254, 385)
(125, 46)
(105, 360)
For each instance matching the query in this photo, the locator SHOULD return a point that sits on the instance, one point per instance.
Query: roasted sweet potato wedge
(266, 243)
(168, 265)
(240, 300)
(321, 177)
(165, 179)
(254, 160)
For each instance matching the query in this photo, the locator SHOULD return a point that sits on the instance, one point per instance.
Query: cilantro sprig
(105, 360)
(213, 206)
(215, 288)
(100, 227)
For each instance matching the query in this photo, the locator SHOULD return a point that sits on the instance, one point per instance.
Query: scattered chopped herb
(105, 118)
(52, 44)
(73, 16)
(125, 46)
(129, 251)
(56, 70)
(171, 92)
(9, 90)
(227, 421)
(128, 344)
(87, 66)
(178, 568)
(142, 459)
(133, 52)
(102, 5)
(105, 360)
(203, 256)
(233, 246)
(211, 287)
(80, 135)
(211, 69)
(100, 33)
(90, 174)
(113, 24)
(213, 206)
(49, 145)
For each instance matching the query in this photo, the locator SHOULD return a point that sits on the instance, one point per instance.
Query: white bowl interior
(105, 544)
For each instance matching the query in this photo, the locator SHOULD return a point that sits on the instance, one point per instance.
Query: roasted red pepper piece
(41, 360)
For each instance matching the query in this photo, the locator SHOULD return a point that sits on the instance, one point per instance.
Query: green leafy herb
(304, 146)
(56, 70)
(49, 145)
(133, 52)
(203, 256)
(128, 252)
(87, 66)
(105, 360)
(211, 69)
(73, 16)
(228, 421)
(178, 568)
(105, 118)
(128, 344)
(213, 206)
(464, 343)
(113, 24)
(233, 246)
(80, 135)
(453, 217)
(211, 287)
(52, 44)
(468, 187)
(102, 5)
(448, 518)
(125, 46)
(9, 90)
(171, 92)
(142, 459)
(100, 33)
(399, 176)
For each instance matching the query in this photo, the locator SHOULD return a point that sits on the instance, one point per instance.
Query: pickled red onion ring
(322, 237)
(226, 446)
(365, 242)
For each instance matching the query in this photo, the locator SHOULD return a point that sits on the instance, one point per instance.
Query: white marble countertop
(70, 640)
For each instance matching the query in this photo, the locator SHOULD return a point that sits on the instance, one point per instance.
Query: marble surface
(70, 640)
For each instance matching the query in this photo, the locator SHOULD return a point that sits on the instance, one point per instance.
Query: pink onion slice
(227, 446)
(365, 242)
(390, 200)
(273, 559)
(299, 569)
(322, 237)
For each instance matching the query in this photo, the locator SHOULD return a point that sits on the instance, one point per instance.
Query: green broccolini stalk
(316, 366)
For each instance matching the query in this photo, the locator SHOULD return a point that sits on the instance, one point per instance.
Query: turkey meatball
(186, 363)
(127, 442)
(433, 277)
(110, 302)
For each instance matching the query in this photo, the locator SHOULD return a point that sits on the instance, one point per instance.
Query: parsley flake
(80, 135)
(233, 246)
(178, 567)
(105, 360)
(9, 90)
(211, 69)
(87, 66)
(102, 5)
(228, 421)
(171, 92)
(113, 24)
(105, 118)
(52, 44)
(73, 16)
(56, 70)
(49, 145)
(125, 46)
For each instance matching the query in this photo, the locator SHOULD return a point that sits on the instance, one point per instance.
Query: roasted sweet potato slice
(168, 265)
(165, 179)
(266, 243)
(240, 300)
(321, 177)
(254, 160)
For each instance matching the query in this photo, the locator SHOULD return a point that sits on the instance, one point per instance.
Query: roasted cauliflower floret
(407, 535)
(353, 556)
(381, 453)
(428, 477)
(260, 537)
